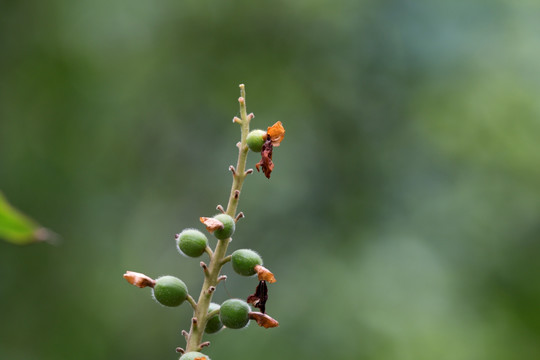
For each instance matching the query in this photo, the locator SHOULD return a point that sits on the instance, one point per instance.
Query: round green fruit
(192, 242)
(244, 261)
(234, 313)
(214, 324)
(255, 140)
(228, 229)
(170, 291)
(192, 355)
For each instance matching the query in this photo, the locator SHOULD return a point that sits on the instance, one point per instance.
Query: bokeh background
(403, 215)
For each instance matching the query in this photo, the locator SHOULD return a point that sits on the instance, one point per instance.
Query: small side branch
(226, 259)
(239, 216)
(192, 302)
(212, 313)
(211, 289)
(205, 269)
(204, 344)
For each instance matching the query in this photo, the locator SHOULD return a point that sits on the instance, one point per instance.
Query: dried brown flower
(263, 320)
(139, 280)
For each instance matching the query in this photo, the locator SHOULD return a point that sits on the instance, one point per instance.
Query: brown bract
(266, 158)
(263, 320)
(265, 274)
(276, 133)
(274, 136)
(211, 224)
(139, 280)
(259, 298)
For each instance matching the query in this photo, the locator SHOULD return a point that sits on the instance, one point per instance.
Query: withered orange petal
(276, 133)
(263, 320)
(264, 274)
(211, 224)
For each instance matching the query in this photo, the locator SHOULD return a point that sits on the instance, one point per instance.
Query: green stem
(218, 258)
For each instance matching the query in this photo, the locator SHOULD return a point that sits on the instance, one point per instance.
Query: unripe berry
(255, 140)
(234, 313)
(192, 355)
(244, 261)
(192, 242)
(170, 291)
(214, 324)
(228, 229)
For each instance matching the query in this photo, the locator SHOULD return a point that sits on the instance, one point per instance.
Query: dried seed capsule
(192, 355)
(234, 313)
(192, 242)
(228, 229)
(214, 324)
(255, 140)
(170, 291)
(244, 261)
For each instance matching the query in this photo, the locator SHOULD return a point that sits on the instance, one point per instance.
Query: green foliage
(17, 228)
(410, 190)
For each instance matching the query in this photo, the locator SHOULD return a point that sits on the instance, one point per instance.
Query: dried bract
(263, 320)
(212, 224)
(266, 158)
(259, 298)
(139, 280)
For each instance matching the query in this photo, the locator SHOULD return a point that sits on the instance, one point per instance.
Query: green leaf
(17, 228)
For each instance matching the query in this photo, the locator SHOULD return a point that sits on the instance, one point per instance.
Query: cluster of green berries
(171, 291)
(232, 313)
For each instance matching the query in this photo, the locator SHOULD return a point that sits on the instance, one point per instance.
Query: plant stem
(200, 313)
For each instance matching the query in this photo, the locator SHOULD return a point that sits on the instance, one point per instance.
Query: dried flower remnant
(274, 136)
(263, 320)
(276, 133)
(211, 224)
(139, 280)
(266, 161)
(259, 298)
(265, 274)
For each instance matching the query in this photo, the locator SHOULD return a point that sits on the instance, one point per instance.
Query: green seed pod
(255, 140)
(214, 324)
(244, 262)
(234, 313)
(192, 355)
(170, 291)
(192, 242)
(228, 230)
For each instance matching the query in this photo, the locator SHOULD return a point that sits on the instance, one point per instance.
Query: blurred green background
(401, 220)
